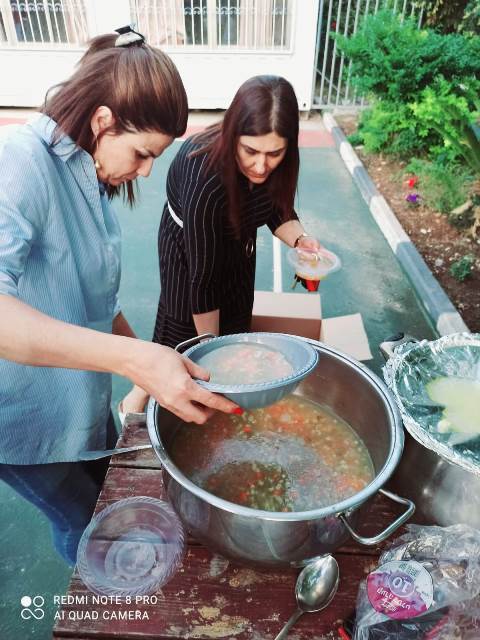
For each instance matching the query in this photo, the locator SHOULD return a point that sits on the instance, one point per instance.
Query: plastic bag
(427, 585)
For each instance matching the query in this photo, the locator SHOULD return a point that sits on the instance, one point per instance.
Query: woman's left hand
(309, 243)
(133, 402)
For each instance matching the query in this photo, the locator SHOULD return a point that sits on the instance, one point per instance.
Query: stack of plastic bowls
(131, 548)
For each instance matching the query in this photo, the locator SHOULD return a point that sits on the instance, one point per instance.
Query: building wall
(211, 76)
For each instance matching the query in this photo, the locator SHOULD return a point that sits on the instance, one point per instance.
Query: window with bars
(3, 31)
(43, 22)
(241, 24)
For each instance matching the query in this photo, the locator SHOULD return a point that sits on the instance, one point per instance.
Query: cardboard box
(298, 314)
(347, 334)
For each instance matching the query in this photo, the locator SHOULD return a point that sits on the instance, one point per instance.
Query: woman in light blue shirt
(62, 332)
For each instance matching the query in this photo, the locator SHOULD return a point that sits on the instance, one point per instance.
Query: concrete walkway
(371, 283)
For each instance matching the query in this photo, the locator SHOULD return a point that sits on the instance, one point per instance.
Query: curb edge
(435, 301)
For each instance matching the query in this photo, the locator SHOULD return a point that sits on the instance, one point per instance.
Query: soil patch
(436, 239)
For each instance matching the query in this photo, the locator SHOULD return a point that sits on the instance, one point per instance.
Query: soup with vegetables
(294, 455)
(245, 363)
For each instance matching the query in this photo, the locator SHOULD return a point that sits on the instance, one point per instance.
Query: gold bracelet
(302, 235)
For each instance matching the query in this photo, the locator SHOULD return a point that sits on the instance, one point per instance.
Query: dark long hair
(140, 85)
(262, 105)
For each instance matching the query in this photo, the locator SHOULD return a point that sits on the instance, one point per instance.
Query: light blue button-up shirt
(59, 253)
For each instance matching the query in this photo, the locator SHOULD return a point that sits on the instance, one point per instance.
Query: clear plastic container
(131, 548)
(313, 265)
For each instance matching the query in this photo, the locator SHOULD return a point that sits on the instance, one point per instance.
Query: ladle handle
(383, 535)
(97, 455)
(181, 346)
(284, 632)
(387, 348)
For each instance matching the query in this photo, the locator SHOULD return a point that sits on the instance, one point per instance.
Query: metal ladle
(315, 588)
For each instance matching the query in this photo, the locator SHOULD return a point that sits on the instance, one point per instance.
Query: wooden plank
(135, 433)
(126, 482)
(204, 602)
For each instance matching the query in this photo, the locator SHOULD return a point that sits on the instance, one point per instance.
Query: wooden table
(209, 597)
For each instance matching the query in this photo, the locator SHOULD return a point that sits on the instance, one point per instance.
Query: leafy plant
(462, 269)
(391, 128)
(426, 85)
(355, 139)
(439, 109)
(395, 60)
(442, 187)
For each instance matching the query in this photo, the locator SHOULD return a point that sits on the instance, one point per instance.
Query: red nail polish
(238, 411)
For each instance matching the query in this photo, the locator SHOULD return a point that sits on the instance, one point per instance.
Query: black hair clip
(128, 37)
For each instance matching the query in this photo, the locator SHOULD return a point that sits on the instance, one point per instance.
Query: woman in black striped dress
(222, 186)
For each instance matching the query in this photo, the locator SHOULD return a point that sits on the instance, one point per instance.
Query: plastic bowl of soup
(254, 369)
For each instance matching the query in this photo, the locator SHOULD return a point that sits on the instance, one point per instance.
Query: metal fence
(256, 25)
(43, 22)
(333, 73)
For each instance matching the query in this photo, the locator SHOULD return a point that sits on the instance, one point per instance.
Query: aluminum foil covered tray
(437, 388)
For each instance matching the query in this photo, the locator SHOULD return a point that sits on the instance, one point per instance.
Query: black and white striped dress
(203, 265)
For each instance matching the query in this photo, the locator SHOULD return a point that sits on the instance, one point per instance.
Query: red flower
(412, 182)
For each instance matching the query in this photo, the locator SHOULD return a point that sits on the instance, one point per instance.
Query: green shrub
(391, 128)
(355, 139)
(427, 87)
(462, 269)
(395, 60)
(442, 188)
(440, 109)
(443, 154)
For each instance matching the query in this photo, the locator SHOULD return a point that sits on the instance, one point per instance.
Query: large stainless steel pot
(292, 539)
(444, 492)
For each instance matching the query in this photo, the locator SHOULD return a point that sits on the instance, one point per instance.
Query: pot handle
(388, 346)
(383, 535)
(181, 346)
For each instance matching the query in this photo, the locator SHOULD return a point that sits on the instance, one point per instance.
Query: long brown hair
(263, 104)
(140, 85)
